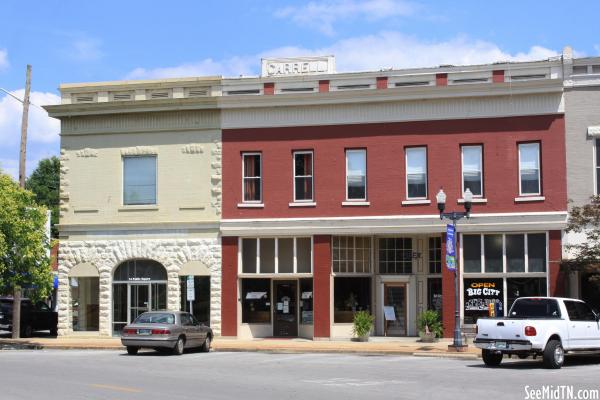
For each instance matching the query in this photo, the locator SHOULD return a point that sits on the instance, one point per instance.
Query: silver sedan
(166, 330)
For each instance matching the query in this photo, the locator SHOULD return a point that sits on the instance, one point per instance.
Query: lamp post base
(458, 349)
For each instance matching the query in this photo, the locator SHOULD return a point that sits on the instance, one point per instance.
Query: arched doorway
(138, 286)
(194, 281)
(84, 284)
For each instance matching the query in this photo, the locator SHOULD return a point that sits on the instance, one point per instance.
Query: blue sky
(78, 41)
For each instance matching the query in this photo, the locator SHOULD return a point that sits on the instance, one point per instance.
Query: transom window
(356, 174)
(416, 173)
(252, 177)
(395, 255)
(504, 253)
(529, 169)
(435, 255)
(472, 169)
(139, 180)
(351, 254)
(303, 176)
(286, 255)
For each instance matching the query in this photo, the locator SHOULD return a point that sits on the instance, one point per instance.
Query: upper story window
(303, 176)
(472, 169)
(529, 169)
(416, 173)
(252, 177)
(356, 174)
(139, 180)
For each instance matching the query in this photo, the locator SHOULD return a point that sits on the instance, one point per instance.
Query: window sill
(416, 201)
(139, 208)
(530, 198)
(251, 205)
(356, 203)
(477, 200)
(303, 204)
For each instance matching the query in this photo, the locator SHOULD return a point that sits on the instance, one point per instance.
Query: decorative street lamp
(451, 264)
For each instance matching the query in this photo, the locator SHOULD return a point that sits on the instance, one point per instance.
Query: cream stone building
(140, 202)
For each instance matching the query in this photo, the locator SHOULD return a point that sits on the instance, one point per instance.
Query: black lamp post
(455, 216)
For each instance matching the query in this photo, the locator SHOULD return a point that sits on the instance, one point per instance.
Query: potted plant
(430, 326)
(362, 325)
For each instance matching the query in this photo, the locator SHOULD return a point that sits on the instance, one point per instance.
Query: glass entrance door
(395, 309)
(139, 300)
(285, 313)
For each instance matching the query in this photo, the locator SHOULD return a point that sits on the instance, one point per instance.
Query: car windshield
(155, 318)
(535, 308)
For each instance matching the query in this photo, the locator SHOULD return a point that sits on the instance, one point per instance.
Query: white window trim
(364, 200)
(260, 178)
(406, 150)
(462, 168)
(155, 181)
(257, 272)
(539, 170)
(312, 177)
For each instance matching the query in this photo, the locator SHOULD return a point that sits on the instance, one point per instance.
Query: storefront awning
(255, 295)
(196, 268)
(84, 270)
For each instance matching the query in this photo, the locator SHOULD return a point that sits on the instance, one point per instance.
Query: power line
(18, 99)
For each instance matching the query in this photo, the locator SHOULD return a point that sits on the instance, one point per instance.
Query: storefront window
(350, 295)
(306, 301)
(536, 249)
(515, 253)
(493, 253)
(249, 256)
(85, 298)
(434, 294)
(200, 305)
(277, 255)
(304, 255)
(285, 255)
(267, 256)
(479, 294)
(351, 254)
(256, 301)
(395, 256)
(435, 255)
(524, 287)
(472, 253)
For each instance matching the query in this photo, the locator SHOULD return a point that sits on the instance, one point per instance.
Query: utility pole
(16, 320)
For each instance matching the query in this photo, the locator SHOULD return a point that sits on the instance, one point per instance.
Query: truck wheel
(26, 331)
(132, 350)
(490, 358)
(554, 355)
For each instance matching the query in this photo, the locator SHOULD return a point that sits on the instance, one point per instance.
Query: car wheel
(490, 358)
(132, 350)
(178, 349)
(554, 355)
(206, 344)
(26, 331)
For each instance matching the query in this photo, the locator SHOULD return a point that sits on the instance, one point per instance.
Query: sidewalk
(377, 345)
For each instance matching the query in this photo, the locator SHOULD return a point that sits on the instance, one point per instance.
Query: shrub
(363, 323)
(431, 320)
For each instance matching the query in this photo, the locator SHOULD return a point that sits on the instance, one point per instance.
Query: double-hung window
(529, 169)
(472, 169)
(252, 177)
(416, 173)
(303, 176)
(139, 180)
(356, 174)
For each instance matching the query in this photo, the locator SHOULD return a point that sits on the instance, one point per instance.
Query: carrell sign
(298, 66)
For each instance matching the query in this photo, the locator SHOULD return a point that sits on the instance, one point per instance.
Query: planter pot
(361, 339)
(427, 337)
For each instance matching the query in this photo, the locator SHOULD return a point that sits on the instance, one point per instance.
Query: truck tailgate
(500, 328)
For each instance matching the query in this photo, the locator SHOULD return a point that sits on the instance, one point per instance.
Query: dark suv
(34, 317)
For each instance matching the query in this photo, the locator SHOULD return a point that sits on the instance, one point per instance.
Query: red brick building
(329, 194)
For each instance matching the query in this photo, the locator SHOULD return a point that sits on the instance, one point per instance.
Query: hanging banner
(450, 250)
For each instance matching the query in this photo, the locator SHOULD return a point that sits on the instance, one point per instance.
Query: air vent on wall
(121, 96)
(419, 83)
(159, 95)
(356, 86)
(248, 91)
(84, 98)
(527, 77)
(197, 92)
(470, 80)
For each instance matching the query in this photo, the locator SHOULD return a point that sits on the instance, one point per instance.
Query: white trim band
(530, 198)
(251, 205)
(356, 203)
(303, 204)
(413, 202)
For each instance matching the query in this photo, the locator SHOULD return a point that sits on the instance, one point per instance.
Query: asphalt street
(75, 374)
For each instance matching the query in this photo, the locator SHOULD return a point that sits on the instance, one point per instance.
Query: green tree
(585, 255)
(44, 183)
(24, 246)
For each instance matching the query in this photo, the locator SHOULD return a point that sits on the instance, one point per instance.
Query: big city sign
(298, 66)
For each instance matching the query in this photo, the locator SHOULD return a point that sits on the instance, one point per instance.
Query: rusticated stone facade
(106, 255)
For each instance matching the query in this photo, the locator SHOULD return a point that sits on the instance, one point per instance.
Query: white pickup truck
(547, 326)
